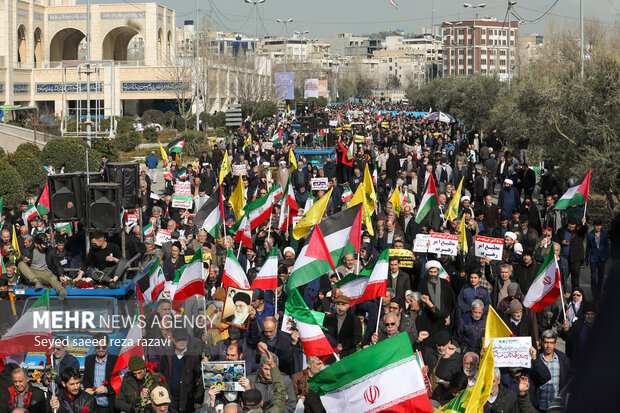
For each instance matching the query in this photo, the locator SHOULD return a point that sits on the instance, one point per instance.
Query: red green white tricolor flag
(267, 277)
(379, 378)
(429, 200)
(545, 288)
(29, 333)
(233, 273)
(369, 284)
(258, 211)
(31, 212)
(134, 348)
(393, 3)
(310, 331)
(575, 195)
(43, 203)
(189, 280)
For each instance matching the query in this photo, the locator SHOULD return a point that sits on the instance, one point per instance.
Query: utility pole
(285, 23)
(196, 64)
(510, 4)
(581, 35)
(89, 121)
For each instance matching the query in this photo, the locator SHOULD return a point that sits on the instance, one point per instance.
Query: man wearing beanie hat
(525, 271)
(574, 335)
(133, 385)
(519, 325)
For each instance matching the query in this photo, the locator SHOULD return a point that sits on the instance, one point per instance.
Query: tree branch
(557, 128)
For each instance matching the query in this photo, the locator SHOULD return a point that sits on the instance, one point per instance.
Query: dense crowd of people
(441, 302)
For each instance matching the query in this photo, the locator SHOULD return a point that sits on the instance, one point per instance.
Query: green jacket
(279, 394)
(129, 393)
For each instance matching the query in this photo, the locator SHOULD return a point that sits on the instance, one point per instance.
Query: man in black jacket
(502, 399)
(344, 327)
(41, 267)
(21, 393)
(182, 371)
(571, 238)
(71, 398)
(98, 373)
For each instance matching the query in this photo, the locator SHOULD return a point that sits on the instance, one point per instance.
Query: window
(483, 51)
(502, 62)
(502, 53)
(484, 41)
(483, 62)
(390, 60)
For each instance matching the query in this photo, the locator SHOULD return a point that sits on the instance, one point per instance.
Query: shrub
(150, 134)
(31, 171)
(221, 132)
(128, 142)
(29, 148)
(71, 152)
(2, 153)
(104, 147)
(216, 120)
(153, 116)
(171, 117)
(193, 142)
(124, 125)
(11, 186)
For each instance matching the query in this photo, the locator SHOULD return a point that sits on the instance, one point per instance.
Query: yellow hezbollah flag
(14, 242)
(312, 217)
(359, 138)
(495, 327)
(225, 169)
(164, 156)
(395, 200)
(360, 197)
(248, 141)
(481, 391)
(292, 160)
(237, 199)
(463, 237)
(369, 190)
(453, 208)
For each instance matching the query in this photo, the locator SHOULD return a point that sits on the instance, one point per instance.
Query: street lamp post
(285, 23)
(510, 4)
(473, 30)
(255, 3)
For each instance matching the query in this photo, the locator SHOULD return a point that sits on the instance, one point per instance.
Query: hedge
(71, 152)
(31, 171)
(11, 186)
(128, 142)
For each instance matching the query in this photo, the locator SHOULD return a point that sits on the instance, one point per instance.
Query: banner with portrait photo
(236, 307)
(224, 375)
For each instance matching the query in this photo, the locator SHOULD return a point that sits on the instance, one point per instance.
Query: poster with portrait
(236, 307)
(225, 375)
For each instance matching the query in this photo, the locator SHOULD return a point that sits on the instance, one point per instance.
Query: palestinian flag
(234, 275)
(575, 195)
(211, 215)
(242, 231)
(151, 284)
(188, 280)
(43, 203)
(347, 194)
(277, 138)
(134, 338)
(176, 145)
(429, 200)
(27, 333)
(148, 229)
(63, 225)
(345, 151)
(31, 212)
(182, 174)
(351, 150)
(341, 233)
(370, 283)
(340, 118)
(310, 331)
(381, 378)
(260, 210)
(267, 278)
(289, 207)
(545, 288)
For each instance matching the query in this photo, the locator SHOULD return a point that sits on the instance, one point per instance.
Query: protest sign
(182, 197)
(239, 170)
(295, 221)
(444, 244)
(512, 351)
(319, 184)
(225, 375)
(163, 236)
(489, 247)
(405, 257)
(420, 244)
(267, 146)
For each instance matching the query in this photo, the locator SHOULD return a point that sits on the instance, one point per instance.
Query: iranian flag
(575, 195)
(384, 377)
(545, 288)
(182, 174)
(211, 215)
(310, 331)
(148, 229)
(429, 200)
(233, 273)
(369, 284)
(289, 207)
(345, 154)
(267, 278)
(151, 284)
(134, 348)
(347, 194)
(309, 202)
(278, 192)
(27, 333)
(188, 280)
(242, 231)
(31, 212)
(340, 233)
(393, 3)
(259, 211)
(176, 145)
(406, 200)
(43, 203)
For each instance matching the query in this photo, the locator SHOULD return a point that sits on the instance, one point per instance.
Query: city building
(348, 45)
(479, 46)
(529, 49)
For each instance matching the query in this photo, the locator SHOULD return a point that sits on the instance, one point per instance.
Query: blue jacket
(67, 361)
(468, 294)
(600, 254)
(470, 333)
(508, 200)
(151, 161)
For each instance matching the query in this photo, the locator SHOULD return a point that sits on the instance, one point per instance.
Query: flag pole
(275, 300)
(585, 208)
(379, 315)
(561, 290)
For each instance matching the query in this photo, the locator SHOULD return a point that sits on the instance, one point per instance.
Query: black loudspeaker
(306, 125)
(321, 120)
(66, 197)
(103, 210)
(127, 175)
(300, 110)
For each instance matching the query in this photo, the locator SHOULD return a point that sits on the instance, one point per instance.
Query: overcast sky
(326, 18)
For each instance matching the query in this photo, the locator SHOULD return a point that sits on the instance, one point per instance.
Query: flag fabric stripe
(575, 195)
(233, 273)
(23, 336)
(371, 283)
(209, 216)
(545, 288)
(189, 280)
(267, 277)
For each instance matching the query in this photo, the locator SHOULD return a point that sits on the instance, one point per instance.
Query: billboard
(311, 88)
(323, 88)
(285, 85)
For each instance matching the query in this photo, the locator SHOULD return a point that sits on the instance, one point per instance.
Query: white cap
(266, 163)
(511, 235)
(288, 249)
(518, 248)
(508, 181)
(465, 198)
(432, 264)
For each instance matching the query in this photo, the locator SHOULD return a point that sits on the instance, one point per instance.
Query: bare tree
(180, 74)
